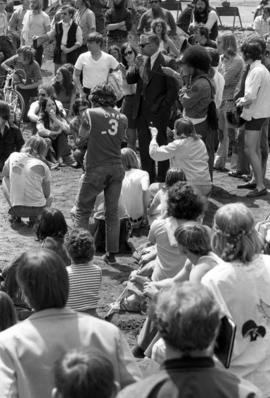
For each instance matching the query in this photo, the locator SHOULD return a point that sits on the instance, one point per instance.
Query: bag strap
(211, 85)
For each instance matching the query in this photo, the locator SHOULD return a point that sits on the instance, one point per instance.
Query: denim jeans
(108, 179)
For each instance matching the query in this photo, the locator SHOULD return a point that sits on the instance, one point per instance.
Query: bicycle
(12, 96)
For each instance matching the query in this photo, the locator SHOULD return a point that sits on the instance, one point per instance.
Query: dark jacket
(161, 90)
(10, 141)
(191, 377)
(71, 40)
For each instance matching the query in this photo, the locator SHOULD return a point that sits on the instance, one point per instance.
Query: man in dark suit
(155, 95)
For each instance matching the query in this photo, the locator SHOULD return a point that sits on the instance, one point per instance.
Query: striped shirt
(84, 286)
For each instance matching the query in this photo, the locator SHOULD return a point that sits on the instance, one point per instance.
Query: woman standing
(53, 125)
(231, 67)
(27, 180)
(167, 46)
(241, 287)
(129, 54)
(197, 95)
(256, 110)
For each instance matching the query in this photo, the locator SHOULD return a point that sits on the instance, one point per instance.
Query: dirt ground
(17, 238)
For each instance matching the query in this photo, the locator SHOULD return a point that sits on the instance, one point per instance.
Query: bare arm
(76, 78)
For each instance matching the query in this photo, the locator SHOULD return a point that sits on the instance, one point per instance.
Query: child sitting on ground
(51, 230)
(158, 206)
(84, 275)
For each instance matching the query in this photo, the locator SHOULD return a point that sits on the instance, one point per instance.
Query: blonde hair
(234, 235)
(129, 159)
(36, 145)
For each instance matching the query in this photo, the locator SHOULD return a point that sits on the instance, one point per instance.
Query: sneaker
(109, 259)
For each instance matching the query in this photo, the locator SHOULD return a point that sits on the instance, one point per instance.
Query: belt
(136, 220)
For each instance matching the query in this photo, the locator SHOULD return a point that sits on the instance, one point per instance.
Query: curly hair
(51, 223)
(80, 245)
(184, 203)
(198, 58)
(160, 21)
(187, 316)
(103, 95)
(234, 235)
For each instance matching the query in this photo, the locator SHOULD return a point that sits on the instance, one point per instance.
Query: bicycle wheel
(16, 103)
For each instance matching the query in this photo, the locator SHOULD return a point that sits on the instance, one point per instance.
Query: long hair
(129, 159)
(67, 84)
(45, 117)
(124, 47)
(234, 235)
(229, 44)
(164, 32)
(201, 17)
(7, 310)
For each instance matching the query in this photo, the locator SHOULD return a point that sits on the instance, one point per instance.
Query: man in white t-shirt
(94, 65)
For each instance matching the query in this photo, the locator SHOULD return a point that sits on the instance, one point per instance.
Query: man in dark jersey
(103, 129)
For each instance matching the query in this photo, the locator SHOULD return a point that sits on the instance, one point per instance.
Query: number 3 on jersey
(113, 123)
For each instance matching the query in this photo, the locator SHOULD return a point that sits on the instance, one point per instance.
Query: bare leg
(252, 142)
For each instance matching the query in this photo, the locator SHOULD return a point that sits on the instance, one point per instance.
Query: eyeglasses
(41, 95)
(128, 53)
(142, 45)
(64, 13)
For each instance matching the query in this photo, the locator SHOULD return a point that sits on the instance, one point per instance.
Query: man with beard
(156, 11)
(204, 15)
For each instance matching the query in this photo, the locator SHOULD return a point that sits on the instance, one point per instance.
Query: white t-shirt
(95, 72)
(26, 176)
(136, 182)
(243, 291)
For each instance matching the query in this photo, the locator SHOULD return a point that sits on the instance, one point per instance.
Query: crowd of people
(146, 107)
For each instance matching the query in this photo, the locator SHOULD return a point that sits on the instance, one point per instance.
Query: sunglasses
(41, 95)
(128, 53)
(142, 45)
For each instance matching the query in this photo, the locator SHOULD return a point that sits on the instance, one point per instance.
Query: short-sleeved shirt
(95, 72)
(27, 175)
(84, 286)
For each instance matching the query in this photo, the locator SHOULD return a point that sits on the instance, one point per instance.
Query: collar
(6, 125)
(255, 63)
(67, 24)
(52, 312)
(81, 265)
(154, 57)
(188, 362)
